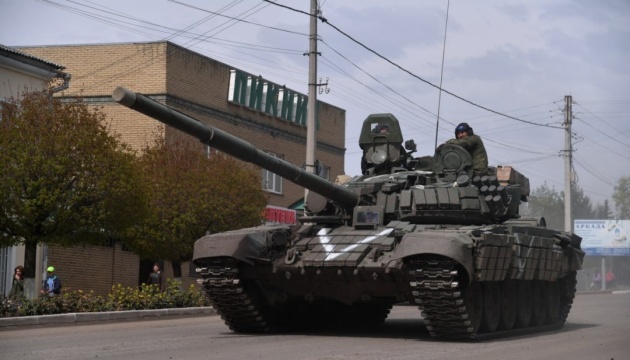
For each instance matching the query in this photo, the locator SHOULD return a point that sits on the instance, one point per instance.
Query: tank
(420, 231)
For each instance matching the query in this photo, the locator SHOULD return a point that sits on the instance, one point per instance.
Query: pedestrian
(610, 277)
(52, 284)
(466, 138)
(597, 281)
(17, 287)
(156, 277)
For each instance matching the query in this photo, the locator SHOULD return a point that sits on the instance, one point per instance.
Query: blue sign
(603, 237)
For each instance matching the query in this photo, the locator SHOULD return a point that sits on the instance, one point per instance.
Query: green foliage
(64, 179)
(80, 301)
(549, 203)
(42, 305)
(581, 206)
(191, 195)
(603, 211)
(621, 196)
(121, 298)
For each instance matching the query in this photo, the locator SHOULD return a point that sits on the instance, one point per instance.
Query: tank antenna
(437, 123)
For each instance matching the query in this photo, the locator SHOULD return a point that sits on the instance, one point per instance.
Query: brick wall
(95, 268)
(98, 69)
(200, 87)
(165, 68)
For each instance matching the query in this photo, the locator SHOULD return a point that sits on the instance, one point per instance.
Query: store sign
(279, 215)
(604, 237)
(258, 94)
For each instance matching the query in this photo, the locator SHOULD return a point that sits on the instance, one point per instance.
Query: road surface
(598, 328)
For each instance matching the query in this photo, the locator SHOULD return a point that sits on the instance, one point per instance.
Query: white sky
(519, 58)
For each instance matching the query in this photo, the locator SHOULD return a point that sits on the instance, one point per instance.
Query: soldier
(466, 138)
(381, 129)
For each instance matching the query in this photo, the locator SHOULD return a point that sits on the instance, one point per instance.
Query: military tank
(409, 230)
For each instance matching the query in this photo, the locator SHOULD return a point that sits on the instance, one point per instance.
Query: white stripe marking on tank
(324, 240)
(367, 240)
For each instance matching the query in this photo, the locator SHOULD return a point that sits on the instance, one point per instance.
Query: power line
(377, 80)
(596, 129)
(325, 21)
(238, 19)
(519, 149)
(592, 172)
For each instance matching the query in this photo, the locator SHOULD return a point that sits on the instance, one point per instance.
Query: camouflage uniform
(474, 145)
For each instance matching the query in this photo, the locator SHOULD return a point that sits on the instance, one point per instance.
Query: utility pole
(568, 168)
(311, 141)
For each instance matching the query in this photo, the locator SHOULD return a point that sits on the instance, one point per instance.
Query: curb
(101, 316)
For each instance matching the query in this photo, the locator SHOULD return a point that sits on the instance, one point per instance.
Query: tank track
(568, 294)
(242, 308)
(449, 314)
(238, 306)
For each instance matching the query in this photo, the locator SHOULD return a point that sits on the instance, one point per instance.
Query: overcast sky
(518, 58)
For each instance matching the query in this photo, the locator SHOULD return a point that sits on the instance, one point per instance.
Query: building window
(320, 170)
(324, 172)
(270, 181)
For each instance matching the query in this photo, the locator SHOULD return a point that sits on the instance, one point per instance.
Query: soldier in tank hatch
(466, 138)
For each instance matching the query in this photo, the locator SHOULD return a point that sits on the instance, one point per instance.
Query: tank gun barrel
(234, 146)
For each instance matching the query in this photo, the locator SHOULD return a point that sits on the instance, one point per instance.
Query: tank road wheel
(473, 301)
(509, 305)
(553, 302)
(539, 302)
(524, 305)
(491, 306)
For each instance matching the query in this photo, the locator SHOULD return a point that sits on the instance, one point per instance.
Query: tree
(193, 195)
(581, 207)
(549, 203)
(603, 211)
(64, 179)
(621, 196)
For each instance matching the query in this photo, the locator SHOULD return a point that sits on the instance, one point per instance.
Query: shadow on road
(407, 329)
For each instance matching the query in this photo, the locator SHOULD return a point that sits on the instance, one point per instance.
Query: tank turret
(419, 230)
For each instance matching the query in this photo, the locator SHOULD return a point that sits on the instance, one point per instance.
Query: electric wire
(245, 47)
(325, 21)
(238, 19)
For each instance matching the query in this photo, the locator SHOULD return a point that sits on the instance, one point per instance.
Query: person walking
(156, 278)
(52, 284)
(610, 278)
(17, 286)
(596, 284)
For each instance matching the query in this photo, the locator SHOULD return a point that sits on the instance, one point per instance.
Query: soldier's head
(463, 130)
(381, 129)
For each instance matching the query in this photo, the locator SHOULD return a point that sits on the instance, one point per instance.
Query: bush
(10, 306)
(121, 298)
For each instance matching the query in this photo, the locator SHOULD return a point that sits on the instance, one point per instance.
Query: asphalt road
(598, 328)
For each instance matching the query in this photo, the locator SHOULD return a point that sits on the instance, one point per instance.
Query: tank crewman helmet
(464, 127)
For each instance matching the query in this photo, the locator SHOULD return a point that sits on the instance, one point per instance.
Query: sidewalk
(101, 316)
(141, 314)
